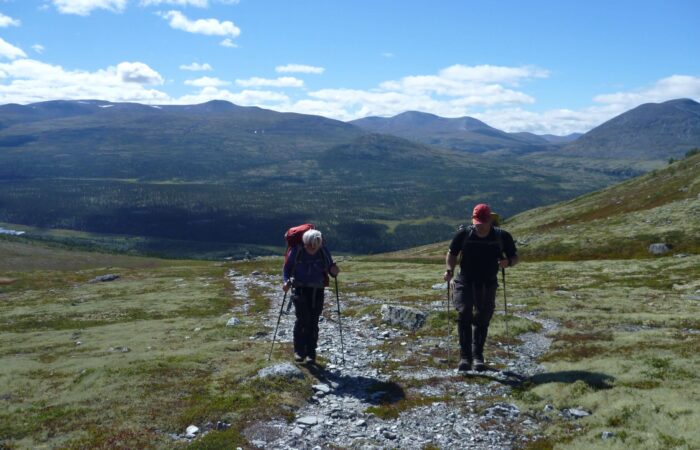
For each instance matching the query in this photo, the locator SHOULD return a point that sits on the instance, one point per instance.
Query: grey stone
(440, 286)
(324, 388)
(607, 435)
(308, 420)
(191, 431)
(284, 370)
(576, 413)
(659, 248)
(403, 316)
(297, 431)
(103, 278)
(232, 322)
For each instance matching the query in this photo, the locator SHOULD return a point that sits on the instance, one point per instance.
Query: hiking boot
(464, 365)
(298, 357)
(311, 357)
(479, 365)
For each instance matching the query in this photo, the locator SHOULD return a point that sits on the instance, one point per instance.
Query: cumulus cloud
(207, 82)
(9, 51)
(228, 43)
(137, 72)
(674, 86)
(196, 67)
(38, 48)
(210, 27)
(299, 68)
(28, 81)
(85, 7)
(272, 82)
(7, 21)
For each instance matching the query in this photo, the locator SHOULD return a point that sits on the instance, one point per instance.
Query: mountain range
(225, 177)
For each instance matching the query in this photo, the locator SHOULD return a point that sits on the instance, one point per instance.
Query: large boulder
(403, 316)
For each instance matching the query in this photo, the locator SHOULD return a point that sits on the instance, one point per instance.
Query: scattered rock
(576, 413)
(191, 431)
(403, 316)
(659, 248)
(440, 286)
(607, 435)
(324, 388)
(284, 370)
(307, 420)
(232, 322)
(103, 278)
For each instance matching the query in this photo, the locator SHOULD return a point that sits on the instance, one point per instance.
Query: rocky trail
(415, 400)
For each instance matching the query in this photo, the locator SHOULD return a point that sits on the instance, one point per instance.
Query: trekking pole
(274, 336)
(505, 308)
(449, 328)
(340, 326)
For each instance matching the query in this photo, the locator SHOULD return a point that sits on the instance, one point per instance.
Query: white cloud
(38, 48)
(228, 43)
(28, 81)
(85, 7)
(196, 67)
(210, 27)
(674, 86)
(388, 55)
(9, 51)
(195, 3)
(137, 72)
(7, 21)
(299, 68)
(207, 82)
(566, 121)
(272, 82)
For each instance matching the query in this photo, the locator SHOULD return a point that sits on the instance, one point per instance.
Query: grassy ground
(122, 364)
(626, 351)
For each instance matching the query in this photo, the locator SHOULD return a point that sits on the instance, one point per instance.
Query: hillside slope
(620, 221)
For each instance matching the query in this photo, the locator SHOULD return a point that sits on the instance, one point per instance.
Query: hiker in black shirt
(485, 249)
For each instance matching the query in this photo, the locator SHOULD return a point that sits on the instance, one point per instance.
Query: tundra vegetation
(128, 362)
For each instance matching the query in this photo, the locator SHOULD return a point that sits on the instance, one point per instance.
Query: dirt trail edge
(402, 400)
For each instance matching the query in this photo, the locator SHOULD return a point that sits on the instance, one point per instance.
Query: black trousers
(475, 303)
(308, 305)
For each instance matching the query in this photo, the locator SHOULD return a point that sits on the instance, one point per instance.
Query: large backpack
(293, 237)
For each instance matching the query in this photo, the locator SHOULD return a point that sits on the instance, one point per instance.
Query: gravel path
(437, 406)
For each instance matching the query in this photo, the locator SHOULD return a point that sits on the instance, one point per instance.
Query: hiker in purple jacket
(306, 272)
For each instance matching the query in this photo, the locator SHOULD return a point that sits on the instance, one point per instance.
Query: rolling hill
(662, 206)
(653, 131)
(463, 133)
(221, 176)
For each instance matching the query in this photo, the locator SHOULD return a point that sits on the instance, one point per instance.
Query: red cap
(481, 214)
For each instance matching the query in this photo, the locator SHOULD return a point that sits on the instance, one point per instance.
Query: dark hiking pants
(475, 303)
(308, 305)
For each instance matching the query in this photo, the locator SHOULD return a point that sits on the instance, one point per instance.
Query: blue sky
(541, 66)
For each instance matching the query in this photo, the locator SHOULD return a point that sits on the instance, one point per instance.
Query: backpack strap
(470, 232)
